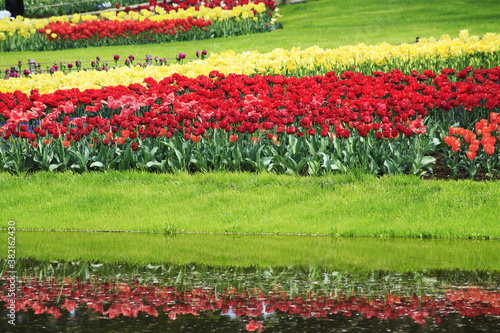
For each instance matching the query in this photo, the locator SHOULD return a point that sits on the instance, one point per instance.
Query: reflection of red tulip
(69, 304)
(130, 299)
(254, 325)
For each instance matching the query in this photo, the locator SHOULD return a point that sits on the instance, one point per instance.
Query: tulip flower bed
(458, 53)
(307, 125)
(146, 27)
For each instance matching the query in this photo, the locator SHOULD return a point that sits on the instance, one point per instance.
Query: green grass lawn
(346, 205)
(326, 23)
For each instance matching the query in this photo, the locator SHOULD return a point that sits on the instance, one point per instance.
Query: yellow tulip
(275, 62)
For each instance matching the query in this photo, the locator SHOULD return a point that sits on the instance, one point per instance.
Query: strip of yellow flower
(25, 26)
(160, 14)
(274, 62)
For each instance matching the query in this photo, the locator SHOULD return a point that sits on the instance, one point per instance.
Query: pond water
(76, 295)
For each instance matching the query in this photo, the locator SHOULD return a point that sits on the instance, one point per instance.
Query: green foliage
(44, 8)
(292, 280)
(312, 155)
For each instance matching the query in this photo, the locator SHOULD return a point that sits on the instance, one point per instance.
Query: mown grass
(354, 204)
(352, 254)
(326, 23)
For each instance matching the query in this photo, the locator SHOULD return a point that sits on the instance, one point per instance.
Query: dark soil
(441, 171)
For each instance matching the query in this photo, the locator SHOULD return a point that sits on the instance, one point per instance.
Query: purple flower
(198, 54)
(70, 65)
(92, 63)
(117, 57)
(131, 57)
(98, 58)
(204, 52)
(20, 62)
(26, 72)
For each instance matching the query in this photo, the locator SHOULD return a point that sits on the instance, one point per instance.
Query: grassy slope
(353, 254)
(352, 204)
(326, 23)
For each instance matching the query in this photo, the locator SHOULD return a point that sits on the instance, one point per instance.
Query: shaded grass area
(353, 254)
(326, 23)
(354, 204)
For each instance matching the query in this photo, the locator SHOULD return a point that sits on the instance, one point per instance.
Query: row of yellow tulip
(160, 14)
(427, 54)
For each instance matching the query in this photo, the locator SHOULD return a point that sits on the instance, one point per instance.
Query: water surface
(79, 282)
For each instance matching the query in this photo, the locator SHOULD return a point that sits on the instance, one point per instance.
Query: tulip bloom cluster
(429, 53)
(112, 299)
(295, 121)
(486, 158)
(176, 5)
(121, 32)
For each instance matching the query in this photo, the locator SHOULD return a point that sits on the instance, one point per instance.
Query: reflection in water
(55, 296)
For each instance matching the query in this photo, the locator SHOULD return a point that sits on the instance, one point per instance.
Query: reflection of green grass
(325, 23)
(353, 254)
(352, 204)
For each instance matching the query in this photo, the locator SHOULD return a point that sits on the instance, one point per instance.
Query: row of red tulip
(388, 104)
